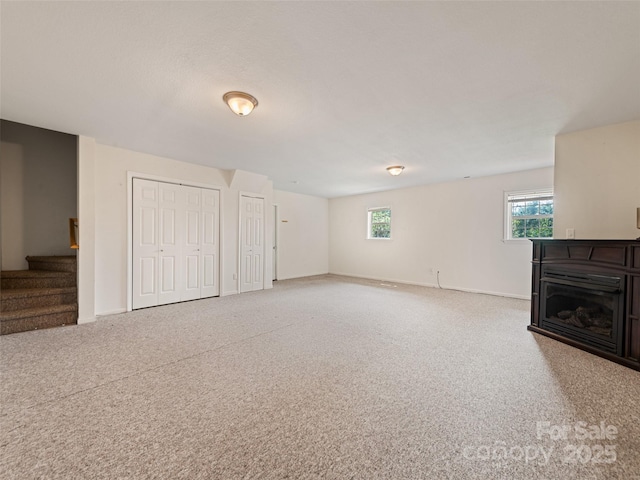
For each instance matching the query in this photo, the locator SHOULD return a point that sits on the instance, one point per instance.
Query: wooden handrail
(73, 236)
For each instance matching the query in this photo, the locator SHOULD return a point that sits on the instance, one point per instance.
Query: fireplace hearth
(587, 293)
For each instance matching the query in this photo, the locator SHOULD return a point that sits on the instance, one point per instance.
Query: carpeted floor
(323, 377)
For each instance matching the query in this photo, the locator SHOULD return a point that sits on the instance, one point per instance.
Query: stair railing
(73, 233)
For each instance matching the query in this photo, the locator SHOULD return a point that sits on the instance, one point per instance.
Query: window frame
(536, 194)
(370, 211)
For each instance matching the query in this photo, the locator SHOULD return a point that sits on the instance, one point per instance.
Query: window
(379, 223)
(529, 214)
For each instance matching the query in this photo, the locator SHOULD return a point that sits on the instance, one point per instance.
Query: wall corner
(86, 229)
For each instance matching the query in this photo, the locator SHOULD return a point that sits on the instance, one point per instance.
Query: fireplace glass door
(587, 308)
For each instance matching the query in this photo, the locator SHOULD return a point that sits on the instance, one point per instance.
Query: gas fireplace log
(585, 317)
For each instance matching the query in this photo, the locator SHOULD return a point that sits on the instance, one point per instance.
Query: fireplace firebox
(586, 293)
(584, 306)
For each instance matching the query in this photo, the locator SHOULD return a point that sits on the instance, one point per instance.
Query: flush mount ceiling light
(395, 170)
(240, 103)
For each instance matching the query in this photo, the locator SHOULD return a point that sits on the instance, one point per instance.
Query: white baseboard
(433, 285)
(390, 280)
(112, 312)
(486, 292)
(303, 275)
(86, 320)
(229, 292)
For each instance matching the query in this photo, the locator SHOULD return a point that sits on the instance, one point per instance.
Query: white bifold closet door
(251, 243)
(175, 243)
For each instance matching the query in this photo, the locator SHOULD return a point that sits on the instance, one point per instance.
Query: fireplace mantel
(589, 267)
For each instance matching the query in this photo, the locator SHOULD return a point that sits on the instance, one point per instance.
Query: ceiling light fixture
(240, 103)
(395, 170)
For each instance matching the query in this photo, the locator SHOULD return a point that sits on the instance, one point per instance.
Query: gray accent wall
(38, 174)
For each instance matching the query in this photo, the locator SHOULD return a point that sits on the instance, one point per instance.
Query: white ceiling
(448, 89)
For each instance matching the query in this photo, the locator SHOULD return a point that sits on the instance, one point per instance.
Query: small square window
(529, 214)
(379, 223)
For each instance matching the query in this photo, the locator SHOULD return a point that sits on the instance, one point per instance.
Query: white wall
(112, 166)
(39, 167)
(597, 182)
(456, 228)
(303, 234)
(86, 229)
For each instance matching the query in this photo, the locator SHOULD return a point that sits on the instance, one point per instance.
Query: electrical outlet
(571, 233)
(235, 276)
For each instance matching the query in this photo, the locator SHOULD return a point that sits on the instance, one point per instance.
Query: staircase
(44, 296)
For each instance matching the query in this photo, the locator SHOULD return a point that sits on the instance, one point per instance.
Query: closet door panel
(145, 244)
(191, 247)
(176, 243)
(170, 219)
(209, 248)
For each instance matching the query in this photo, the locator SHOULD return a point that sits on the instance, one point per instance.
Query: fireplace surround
(586, 293)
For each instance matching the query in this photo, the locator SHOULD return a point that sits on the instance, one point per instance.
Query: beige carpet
(324, 377)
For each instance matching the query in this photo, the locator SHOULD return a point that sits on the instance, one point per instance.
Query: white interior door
(176, 243)
(170, 218)
(251, 243)
(210, 244)
(274, 256)
(145, 246)
(258, 244)
(191, 246)
(246, 243)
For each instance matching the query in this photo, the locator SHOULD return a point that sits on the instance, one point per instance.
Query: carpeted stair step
(38, 318)
(12, 279)
(18, 299)
(61, 263)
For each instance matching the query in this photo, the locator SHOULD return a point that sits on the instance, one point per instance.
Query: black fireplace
(586, 293)
(587, 307)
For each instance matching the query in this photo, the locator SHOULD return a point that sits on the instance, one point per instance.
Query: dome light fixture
(240, 103)
(395, 170)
